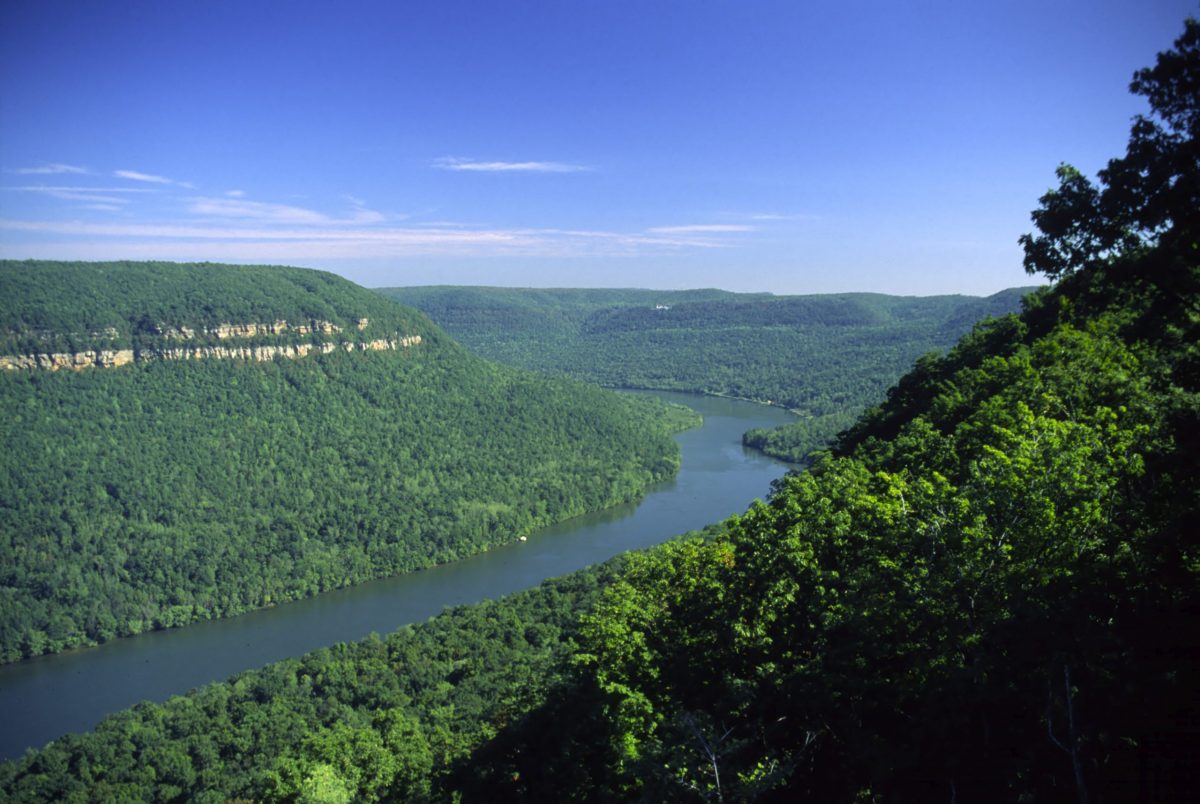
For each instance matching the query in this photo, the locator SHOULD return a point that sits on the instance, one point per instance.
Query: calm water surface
(44, 698)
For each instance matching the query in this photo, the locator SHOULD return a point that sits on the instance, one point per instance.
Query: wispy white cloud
(238, 208)
(364, 215)
(135, 175)
(702, 228)
(93, 195)
(303, 240)
(361, 213)
(92, 198)
(54, 188)
(452, 163)
(235, 193)
(782, 216)
(52, 169)
(234, 227)
(411, 235)
(766, 216)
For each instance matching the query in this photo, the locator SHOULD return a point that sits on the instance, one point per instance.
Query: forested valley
(987, 589)
(826, 357)
(155, 494)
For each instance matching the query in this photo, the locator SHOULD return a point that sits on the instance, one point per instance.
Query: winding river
(43, 698)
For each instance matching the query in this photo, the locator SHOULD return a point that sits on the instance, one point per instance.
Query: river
(46, 697)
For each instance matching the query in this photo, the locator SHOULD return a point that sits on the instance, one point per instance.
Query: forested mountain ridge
(824, 356)
(166, 491)
(82, 315)
(71, 307)
(990, 590)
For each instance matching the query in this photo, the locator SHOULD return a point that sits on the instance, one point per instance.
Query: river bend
(46, 697)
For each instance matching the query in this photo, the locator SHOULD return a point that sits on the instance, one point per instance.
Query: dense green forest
(826, 357)
(55, 306)
(163, 492)
(393, 718)
(988, 590)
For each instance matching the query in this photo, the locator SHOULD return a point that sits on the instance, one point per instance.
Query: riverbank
(49, 696)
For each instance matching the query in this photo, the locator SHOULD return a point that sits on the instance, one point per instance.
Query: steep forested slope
(390, 718)
(988, 592)
(827, 357)
(202, 480)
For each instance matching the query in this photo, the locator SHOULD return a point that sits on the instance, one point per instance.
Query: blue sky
(793, 147)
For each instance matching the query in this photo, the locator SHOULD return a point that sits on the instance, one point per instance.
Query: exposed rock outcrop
(105, 358)
(260, 353)
(253, 329)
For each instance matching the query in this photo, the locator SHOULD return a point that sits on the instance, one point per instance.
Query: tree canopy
(1147, 199)
(825, 357)
(161, 493)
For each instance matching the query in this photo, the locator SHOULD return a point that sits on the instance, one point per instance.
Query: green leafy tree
(1147, 198)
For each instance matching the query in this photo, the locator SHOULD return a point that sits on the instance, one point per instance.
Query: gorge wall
(167, 336)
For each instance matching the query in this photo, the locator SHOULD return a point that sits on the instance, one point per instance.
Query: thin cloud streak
(254, 210)
(134, 175)
(240, 209)
(300, 242)
(778, 216)
(87, 194)
(362, 213)
(52, 169)
(702, 228)
(451, 163)
(169, 231)
(766, 216)
(52, 188)
(92, 198)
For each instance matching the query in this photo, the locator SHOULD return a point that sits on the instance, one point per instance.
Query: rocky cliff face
(253, 329)
(112, 358)
(270, 352)
(69, 360)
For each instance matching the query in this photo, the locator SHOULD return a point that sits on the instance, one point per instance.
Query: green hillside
(50, 307)
(169, 490)
(826, 357)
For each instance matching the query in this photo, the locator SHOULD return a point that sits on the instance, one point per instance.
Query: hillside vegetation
(826, 357)
(54, 306)
(155, 494)
(988, 591)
